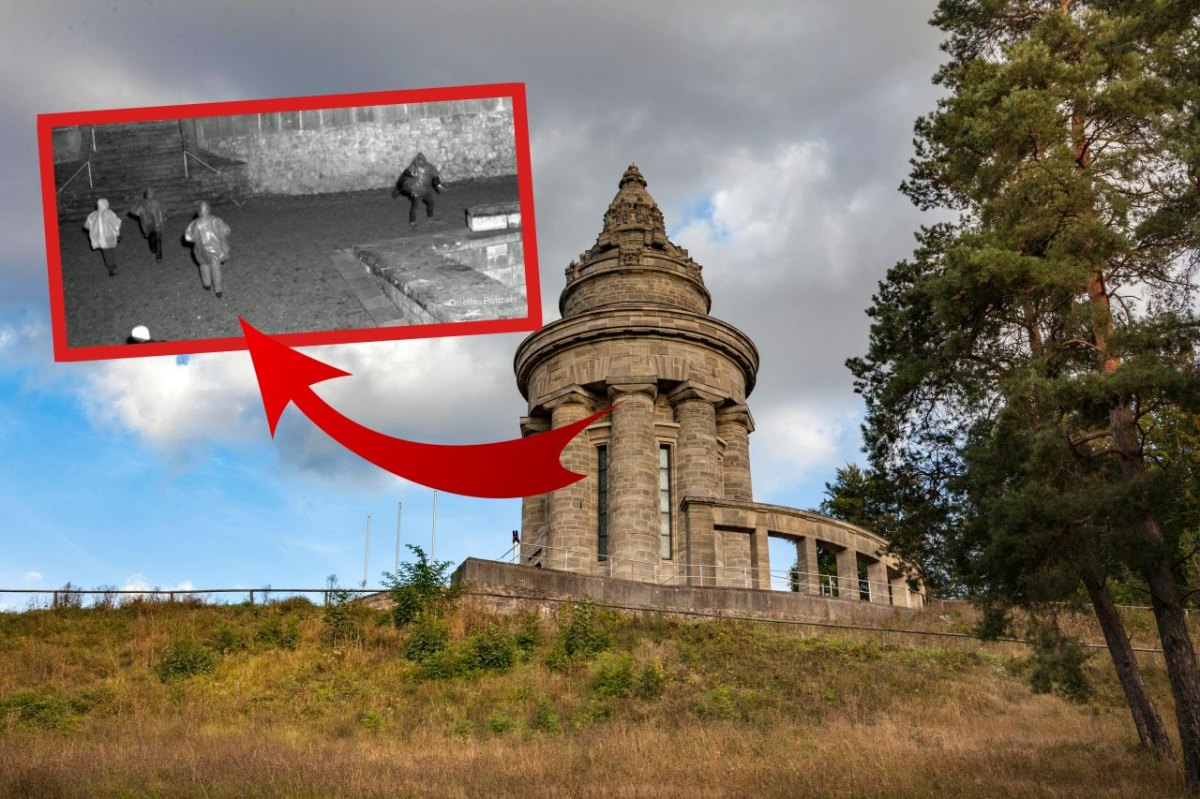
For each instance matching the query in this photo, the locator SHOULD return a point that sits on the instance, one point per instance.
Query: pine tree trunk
(1178, 652)
(1152, 732)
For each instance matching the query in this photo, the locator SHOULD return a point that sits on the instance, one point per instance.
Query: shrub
(1058, 661)
(613, 675)
(545, 719)
(584, 633)
(529, 635)
(419, 587)
(652, 679)
(281, 634)
(429, 636)
(340, 620)
(185, 658)
(228, 639)
(493, 649)
(43, 708)
(500, 723)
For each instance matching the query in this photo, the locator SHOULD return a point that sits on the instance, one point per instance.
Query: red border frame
(516, 91)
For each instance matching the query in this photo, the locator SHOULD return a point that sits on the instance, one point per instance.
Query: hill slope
(288, 699)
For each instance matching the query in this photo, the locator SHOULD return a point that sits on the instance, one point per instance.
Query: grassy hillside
(288, 699)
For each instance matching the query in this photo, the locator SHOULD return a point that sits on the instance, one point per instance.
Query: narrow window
(602, 503)
(664, 499)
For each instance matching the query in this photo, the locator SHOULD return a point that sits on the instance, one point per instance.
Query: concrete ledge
(529, 583)
(422, 276)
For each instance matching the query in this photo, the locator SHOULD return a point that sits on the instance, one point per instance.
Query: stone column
(902, 595)
(535, 511)
(571, 543)
(806, 561)
(633, 528)
(760, 557)
(847, 568)
(877, 576)
(697, 476)
(734, 425)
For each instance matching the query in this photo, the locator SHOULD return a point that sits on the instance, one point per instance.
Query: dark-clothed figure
(418, 183)
(153, 217)
(104, 231)
(210, 234)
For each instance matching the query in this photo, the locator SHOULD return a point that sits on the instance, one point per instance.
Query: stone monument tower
(635, 333)
(667, 498)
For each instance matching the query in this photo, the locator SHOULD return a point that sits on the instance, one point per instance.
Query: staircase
(130, 157)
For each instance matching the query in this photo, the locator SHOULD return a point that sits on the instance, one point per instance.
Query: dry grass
(743, 710)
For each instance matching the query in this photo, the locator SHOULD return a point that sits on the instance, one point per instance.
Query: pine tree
(1020, 363)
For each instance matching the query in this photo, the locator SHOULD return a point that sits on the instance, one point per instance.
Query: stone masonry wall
(371, 155)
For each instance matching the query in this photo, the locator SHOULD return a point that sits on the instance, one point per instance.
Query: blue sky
(773, 139)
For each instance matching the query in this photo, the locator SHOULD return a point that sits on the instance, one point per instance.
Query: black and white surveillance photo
(325, 219)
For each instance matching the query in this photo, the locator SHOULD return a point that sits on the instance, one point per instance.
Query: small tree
(420, 586)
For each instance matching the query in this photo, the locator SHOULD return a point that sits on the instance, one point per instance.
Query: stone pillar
(760, 557)
(633, 527)
(573, 530)
(902, 595)
(734, 425)
(535, 511)
(700, 558)
(877, 576)
(697, 476)
(806, 560)
(847, 568)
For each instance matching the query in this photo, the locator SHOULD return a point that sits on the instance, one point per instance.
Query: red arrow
(521, 467)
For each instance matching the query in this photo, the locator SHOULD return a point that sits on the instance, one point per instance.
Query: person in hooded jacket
(210, 235)
(104, 231)
(153, 217)
(418, 182)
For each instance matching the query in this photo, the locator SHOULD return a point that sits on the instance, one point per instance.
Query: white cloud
(801, 441)
(33, 577)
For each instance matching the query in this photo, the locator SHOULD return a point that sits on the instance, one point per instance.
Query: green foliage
(529, 634)
(341, 618)
(228, 639)
(185, 658)
(545, 719)
(44, 708)
(493, 649)
(613, 674)
(584, 629)
(652, 680)
(1058, 663)
(428, 636)
(716, 703)
(419, 587)
(500, 723)
(279, 633)
(371, 720)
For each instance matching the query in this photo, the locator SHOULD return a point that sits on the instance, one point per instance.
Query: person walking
(210, 235)
(153, 217)
(104, 231)
(418, 182)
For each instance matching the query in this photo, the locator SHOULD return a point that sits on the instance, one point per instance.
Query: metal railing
(187, 175)
(73, 597)
(86, 165)
(584, 561)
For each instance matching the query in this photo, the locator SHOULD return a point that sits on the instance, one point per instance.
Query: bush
(500, 723)
(545, 719)
(228, 639)
(340, 619)
(652, 679)
(43, 709)
(185, 658)
(529, 635)
(280, 634)
(494, 649)
(420, 587)
(584, 633)
(1058, 662)
(429, 636)
(613, 675)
